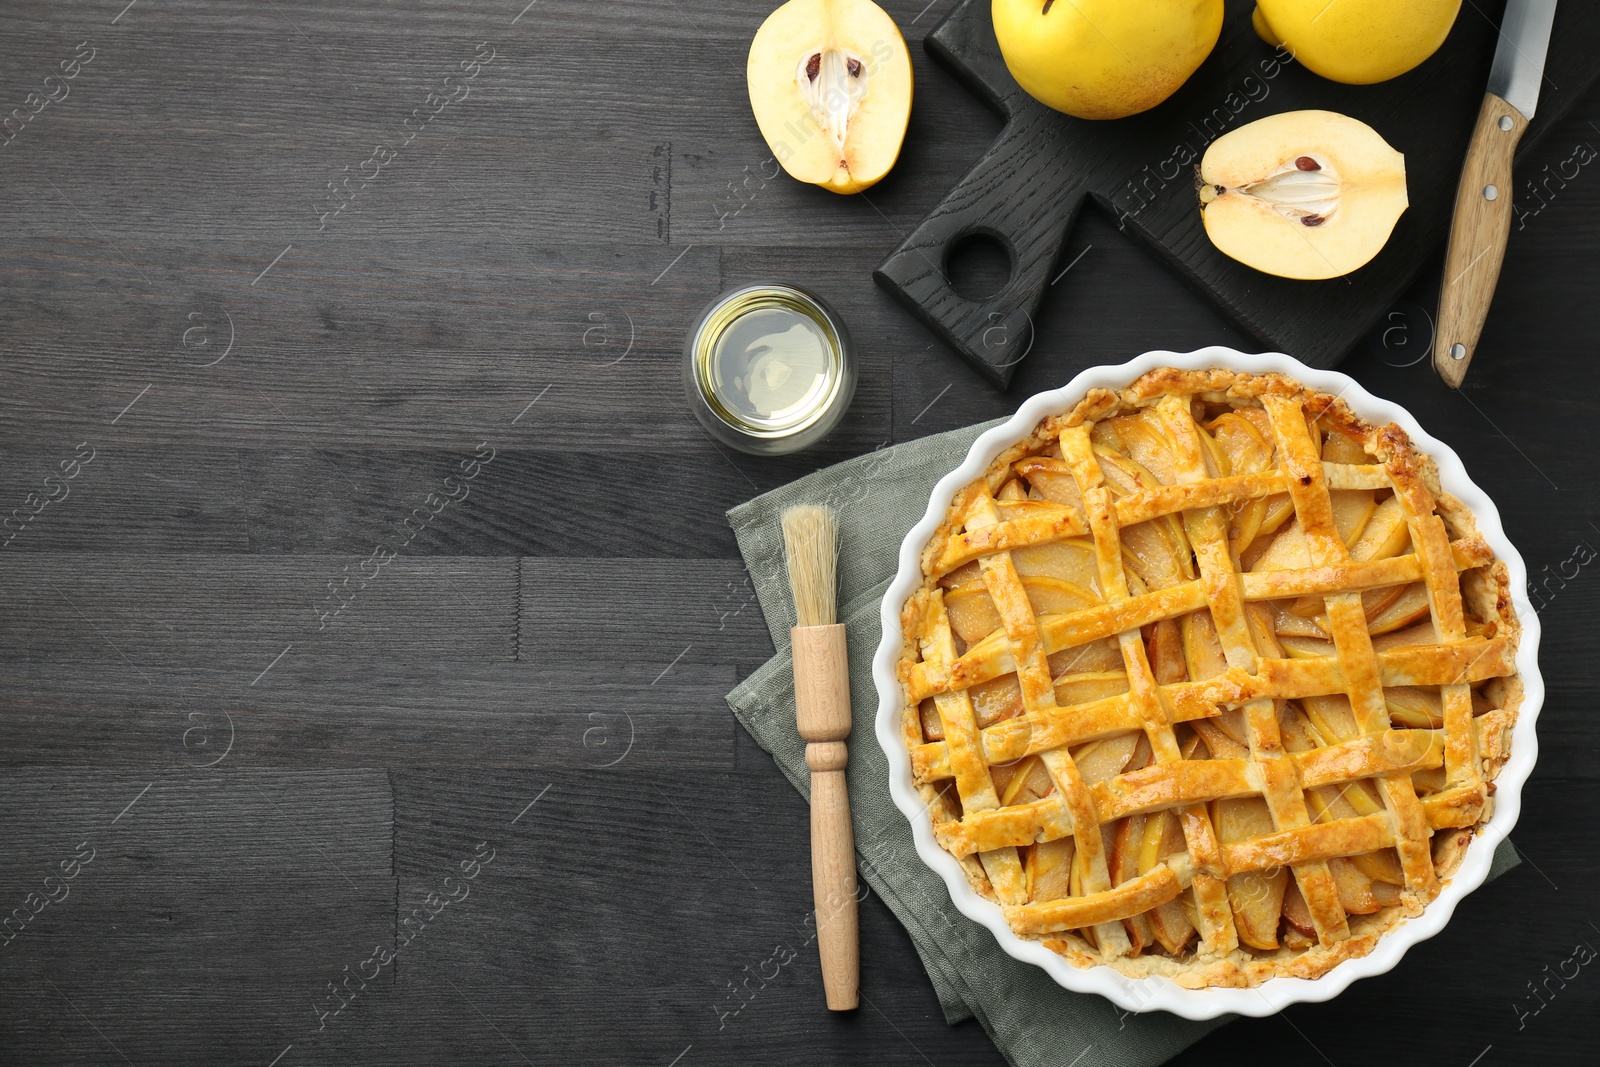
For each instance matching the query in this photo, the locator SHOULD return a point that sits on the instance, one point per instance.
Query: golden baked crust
(1208, 678)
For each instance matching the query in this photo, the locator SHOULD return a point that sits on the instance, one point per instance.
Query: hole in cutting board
(978, 266)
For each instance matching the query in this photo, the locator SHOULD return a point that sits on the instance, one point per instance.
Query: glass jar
(769, 368)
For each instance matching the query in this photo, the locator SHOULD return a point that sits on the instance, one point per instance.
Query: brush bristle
(810, 539)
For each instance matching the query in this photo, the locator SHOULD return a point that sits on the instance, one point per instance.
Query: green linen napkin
(1033, 1021)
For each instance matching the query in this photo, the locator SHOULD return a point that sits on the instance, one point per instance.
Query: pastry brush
(822, 713)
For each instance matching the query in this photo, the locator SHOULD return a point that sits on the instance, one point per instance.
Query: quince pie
(1209, 679)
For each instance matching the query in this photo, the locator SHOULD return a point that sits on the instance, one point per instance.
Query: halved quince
(1304, 194)
(830, 85)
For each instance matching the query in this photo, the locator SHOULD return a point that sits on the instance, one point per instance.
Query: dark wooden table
(285, 651)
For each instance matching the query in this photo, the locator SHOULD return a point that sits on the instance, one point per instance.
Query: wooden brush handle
(822, 712)
(1477, 237)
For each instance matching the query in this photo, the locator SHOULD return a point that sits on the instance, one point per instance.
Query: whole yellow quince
(1104, 59)
(1357, 41)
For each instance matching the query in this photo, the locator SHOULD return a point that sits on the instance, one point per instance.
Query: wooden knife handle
(822, 713)
(1477, 237)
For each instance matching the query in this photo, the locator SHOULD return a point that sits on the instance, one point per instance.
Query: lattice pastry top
(1209, 679)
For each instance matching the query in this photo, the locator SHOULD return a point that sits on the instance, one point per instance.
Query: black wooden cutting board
(1027, 189)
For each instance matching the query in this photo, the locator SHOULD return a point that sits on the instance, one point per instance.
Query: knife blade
(1518, 68)
(1482, 221)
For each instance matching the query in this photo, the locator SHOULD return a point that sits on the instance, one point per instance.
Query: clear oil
(768, 362)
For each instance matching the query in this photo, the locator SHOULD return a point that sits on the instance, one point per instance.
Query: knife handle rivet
(1505, 122)
(1458, 351)
(1490, 192)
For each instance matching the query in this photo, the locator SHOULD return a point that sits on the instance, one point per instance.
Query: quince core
(1304, 194)
(830, 85)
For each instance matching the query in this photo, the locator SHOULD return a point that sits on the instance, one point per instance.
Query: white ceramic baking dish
(1156, 993)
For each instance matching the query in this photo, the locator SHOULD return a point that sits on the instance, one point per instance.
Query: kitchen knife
(1483, 198)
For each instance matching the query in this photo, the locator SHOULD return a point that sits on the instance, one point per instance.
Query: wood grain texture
(1478, 233)
(330, 714)
(159, 909)
(613, 613)
(542, 665)
(822, 716)
(833, 877)
(235, 613)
